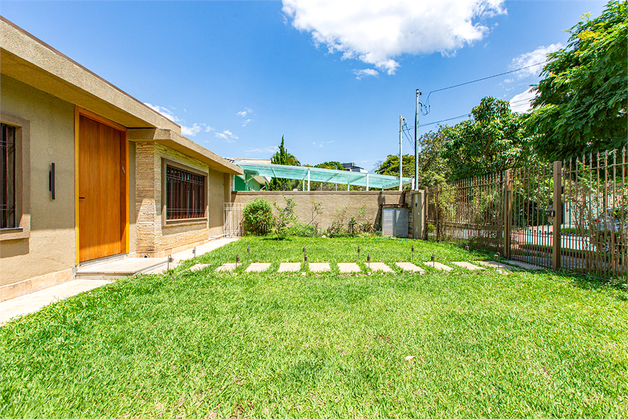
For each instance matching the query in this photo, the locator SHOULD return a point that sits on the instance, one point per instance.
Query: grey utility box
(395, 222)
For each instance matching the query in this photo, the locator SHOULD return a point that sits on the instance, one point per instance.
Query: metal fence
(571, 215)
(233, 219)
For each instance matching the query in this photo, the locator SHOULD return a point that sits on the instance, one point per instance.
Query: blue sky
(331, 76)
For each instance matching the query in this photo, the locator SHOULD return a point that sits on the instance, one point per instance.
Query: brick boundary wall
(332, 201)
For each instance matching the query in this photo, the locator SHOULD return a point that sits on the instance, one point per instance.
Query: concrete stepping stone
(411, 267)
(439, 266)
(199, 267)
(468, 266)
(289, 267)
(319, 267)
(379, 266)
(258, 267)
(525, 265)
(346, 268)
(227, 267)
(493, 264)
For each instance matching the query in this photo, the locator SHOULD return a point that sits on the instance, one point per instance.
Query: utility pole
(416, 142)
(401, 119)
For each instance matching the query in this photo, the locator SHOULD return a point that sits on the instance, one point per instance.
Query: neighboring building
(351, 167)
(87, 171)
(246, 182)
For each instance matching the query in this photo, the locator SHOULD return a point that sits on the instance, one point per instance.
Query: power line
(442, 120)
(427, 101)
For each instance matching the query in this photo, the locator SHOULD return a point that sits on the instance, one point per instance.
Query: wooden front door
(101, 190)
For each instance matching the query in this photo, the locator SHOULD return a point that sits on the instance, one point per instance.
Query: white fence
(233, 219)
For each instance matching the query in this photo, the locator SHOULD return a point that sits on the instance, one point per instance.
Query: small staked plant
(285, 216)
(258, 217)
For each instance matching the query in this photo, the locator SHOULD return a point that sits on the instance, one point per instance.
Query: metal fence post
(437, 206)
(507, 212)
(558, 215)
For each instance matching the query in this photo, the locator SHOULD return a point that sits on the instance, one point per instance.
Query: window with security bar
(7, 177)
(185, 194)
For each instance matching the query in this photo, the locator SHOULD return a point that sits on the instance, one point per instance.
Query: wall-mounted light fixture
(51, 181)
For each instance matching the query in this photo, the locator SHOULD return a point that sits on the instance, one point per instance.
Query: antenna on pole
(416, 142)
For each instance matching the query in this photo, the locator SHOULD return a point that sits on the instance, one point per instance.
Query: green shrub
(430, 228)
(302, 230)
(258, 216)
(285, 216)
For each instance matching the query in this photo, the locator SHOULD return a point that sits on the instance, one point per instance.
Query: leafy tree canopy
(283, 157)
(390, 166)
(580, 105)
(493, 140)
(334, 165)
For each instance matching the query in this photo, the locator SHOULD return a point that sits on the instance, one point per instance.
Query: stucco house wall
(50, 245)
(44, 92)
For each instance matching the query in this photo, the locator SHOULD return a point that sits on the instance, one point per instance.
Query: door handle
(81, 197)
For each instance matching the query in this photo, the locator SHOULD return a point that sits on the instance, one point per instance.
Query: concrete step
(122, 268)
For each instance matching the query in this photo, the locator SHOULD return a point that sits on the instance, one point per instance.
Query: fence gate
(233, 219)
(531, 234)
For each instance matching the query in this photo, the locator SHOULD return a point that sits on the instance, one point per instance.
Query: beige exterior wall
(332, 201)
(51, 244)
(41, 88)
(155, 237)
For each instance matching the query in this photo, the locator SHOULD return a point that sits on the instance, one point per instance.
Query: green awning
(315, 174)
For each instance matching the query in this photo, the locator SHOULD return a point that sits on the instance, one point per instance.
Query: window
(185, 194)
(15, 218)
(7, 177)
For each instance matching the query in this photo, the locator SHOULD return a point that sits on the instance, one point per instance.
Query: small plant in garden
(317, 209)
(337, 226)
(351, 225)
(284, 217)
(366, 224)
(258, 216)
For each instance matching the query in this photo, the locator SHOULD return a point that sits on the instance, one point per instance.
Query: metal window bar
(7, 177)
(185, 194)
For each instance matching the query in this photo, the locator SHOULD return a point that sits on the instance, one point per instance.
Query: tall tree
(284, 158)
(580, 105)
(494, 140)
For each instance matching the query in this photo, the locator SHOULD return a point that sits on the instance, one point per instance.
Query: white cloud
(164, 111)
(266, 150)
(376, 32)
(185, 130)
(364, 73)
(521, 102)
(227, 135)
(539, 55)
(245, 112)
(195, 129)
(322, 144)
(191, 131)
(244, 124)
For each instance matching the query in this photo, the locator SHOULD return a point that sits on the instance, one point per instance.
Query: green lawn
(212, 345)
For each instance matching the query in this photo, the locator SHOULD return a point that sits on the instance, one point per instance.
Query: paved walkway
(33, 302)
(351, 267)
